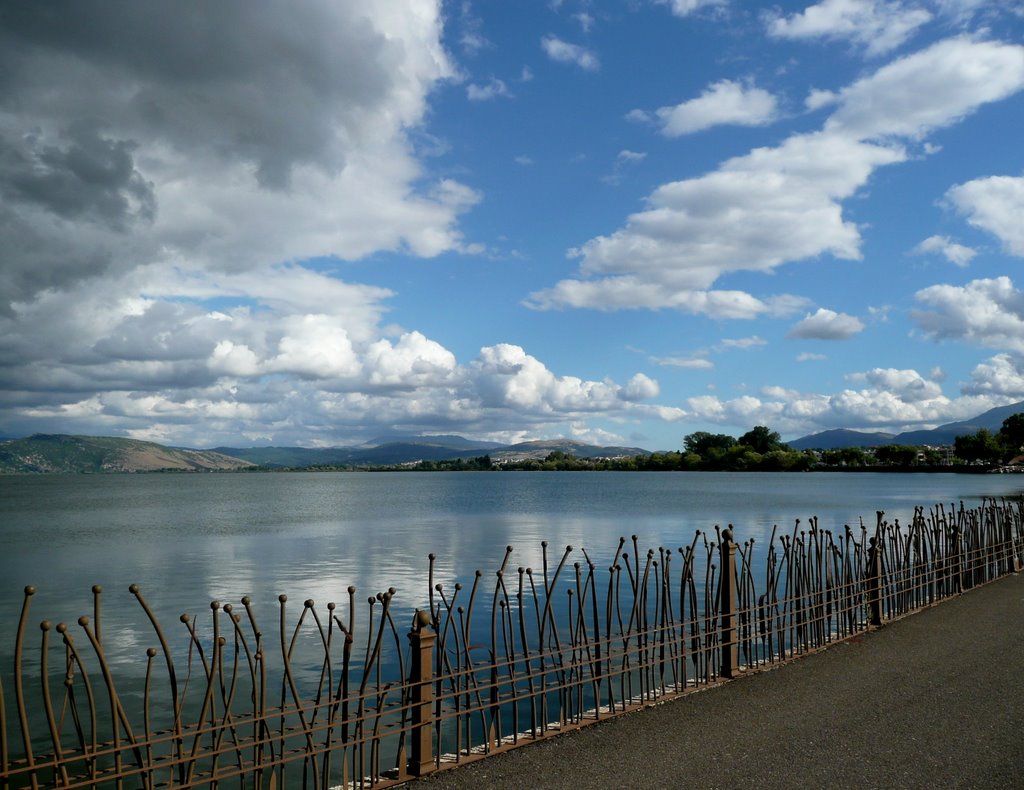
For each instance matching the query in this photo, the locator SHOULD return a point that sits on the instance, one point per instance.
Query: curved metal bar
(19, 691)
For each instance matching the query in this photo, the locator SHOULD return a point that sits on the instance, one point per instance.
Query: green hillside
(98, 454)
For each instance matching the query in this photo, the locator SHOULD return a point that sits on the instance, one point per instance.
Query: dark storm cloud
(106, 108)
(265, 82)
(84, 176)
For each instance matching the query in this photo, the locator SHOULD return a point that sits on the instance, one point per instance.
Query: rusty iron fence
(346, 696)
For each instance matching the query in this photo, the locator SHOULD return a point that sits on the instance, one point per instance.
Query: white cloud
(620, 293)
(782, 204)
(302, 359)
(995, 204)
(564, 52)
(929, 89)
(506, 377)
(694, 363)
(1002, 375)
(314, 346)
(817, 99)
(908, 385)
(724, 102)
(744, 343)
(987, 312)
(623, 159)
(807, 356)
(953, 252)
(891, 400)
(962, 10)
(827, 325)
(879, 26)
(586, 21)
(167, 152)
(640, 387)
(687, 7)
(754, 213)
(490, 90)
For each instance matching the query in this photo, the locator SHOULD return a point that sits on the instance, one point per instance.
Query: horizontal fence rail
(344, 696)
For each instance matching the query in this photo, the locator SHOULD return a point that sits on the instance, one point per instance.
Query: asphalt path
(935, 700)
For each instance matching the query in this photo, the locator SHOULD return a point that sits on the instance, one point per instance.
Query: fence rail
(318, 703)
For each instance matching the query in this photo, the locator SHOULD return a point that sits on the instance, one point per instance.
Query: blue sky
(620, 222)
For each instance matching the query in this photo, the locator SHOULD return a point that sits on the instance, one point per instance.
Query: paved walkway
(935, 700)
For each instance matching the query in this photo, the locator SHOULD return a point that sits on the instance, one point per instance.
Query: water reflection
(189, 539)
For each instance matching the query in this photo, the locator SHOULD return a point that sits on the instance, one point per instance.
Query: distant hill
(840, 438)
(540, 450)
(991, 420)
(383, 450)
(63, 453)
(440, 440)
(386, 451)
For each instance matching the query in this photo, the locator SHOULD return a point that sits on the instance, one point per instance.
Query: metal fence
(316, 702)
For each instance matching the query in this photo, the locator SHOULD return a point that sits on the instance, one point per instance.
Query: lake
(187, 539)
(190, 538)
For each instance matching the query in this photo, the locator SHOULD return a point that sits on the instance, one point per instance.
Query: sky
(617, 221)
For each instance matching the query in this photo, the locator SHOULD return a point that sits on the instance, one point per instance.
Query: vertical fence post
(873, 582)
(421, 683)
(728, 607)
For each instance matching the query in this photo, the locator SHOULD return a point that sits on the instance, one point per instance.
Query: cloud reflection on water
(188, 540)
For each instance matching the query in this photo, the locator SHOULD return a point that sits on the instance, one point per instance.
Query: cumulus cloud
(878, 26)
(1002, 375)
(160, 202)
(490, 90)
(640, 387)
(929, 89)
(826, 324)
(908, 385)
(724, 102)
(886, 399)
(564, 52)
(953, 252)
(127, 137)
(687, 7)
(619, 293)
(309, 362)
(987, 312)
(505, 376)
(780, 204)
(995, 204)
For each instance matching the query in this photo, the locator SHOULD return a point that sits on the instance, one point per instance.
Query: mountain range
(990, 420)
(408, 449)
(64, 453)
(92, 454)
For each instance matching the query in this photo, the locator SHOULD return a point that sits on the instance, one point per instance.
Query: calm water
(187, 539)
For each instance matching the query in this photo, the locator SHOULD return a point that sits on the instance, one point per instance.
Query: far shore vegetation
(762, 450)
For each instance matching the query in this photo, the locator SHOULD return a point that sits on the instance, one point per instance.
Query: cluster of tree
(759, 449)
(986, 447)
(898, 455)
(479, 464)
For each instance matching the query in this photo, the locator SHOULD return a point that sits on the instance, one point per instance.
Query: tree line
(758, 450)
(985, 447)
